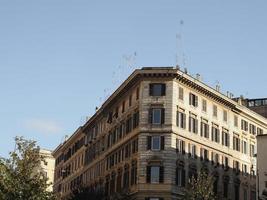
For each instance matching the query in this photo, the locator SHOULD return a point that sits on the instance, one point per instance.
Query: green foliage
(20, 174)
(84, 193)
(200, 188)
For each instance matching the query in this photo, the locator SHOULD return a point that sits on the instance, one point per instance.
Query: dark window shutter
(190, 99)
(177, 145)
(149, 142)
(163, 89)
(196, 126)
(184, 120)
(162, 116)
(196, 101)
(150, 116)
(177, 118)
(183, 178)
(161, 174)
(148, 174)
(176, 176)
(202, 125)
(151, 89)
(190, 124)
(162, 142)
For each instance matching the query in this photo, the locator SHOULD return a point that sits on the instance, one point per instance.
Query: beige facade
(48, 166)
(262, 166)
(157, 130)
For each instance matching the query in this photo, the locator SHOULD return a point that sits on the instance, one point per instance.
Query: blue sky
(60, 58)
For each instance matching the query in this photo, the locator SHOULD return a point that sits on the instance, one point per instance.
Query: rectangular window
(252, 129)
(204, 129)
(215, 135)
(155, 174)
(259, 131)
(204, 105)
(225, 138)
(244, 125)
(157, 116)
(244, 147)
(180, 177)
(157, 89)
(215, 112)
(192, 150)
(155, 143)
(180, 146)
(193, 100)
(225, 116)
(252, 150)
(181, 119)
(236, 143)
(181, 93)
(193, 124)
(235, 121)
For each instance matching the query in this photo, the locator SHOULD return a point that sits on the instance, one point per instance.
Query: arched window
(126, 176)
(119, 177)
(180, 174)
(134, 172)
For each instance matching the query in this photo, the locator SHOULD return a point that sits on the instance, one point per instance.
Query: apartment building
(154, 133)
(47, 167)
(257, 105)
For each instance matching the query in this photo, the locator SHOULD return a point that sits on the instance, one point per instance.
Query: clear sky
(60, 58)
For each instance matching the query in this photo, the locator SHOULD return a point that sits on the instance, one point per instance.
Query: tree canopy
(21, 176)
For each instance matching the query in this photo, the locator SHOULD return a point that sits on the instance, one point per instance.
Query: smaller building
(48, 166)
(262, 167)
(257, 105)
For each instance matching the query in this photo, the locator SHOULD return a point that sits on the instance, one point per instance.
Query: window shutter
(190, 99)
(163, 89)
(177, 145)
(222, 138)
(196, 126)
(190, 120)
(201, 128)
(150, 116)
(161, 174)
(212, 134)
(149, 138)
(162, 142)
(196, 101)
(183, 178)
(177, 118)
(150, 89)
(184, 120)
(148, 174)
(162, 116)
(176, 176)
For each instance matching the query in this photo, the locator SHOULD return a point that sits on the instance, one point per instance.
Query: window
(204, 129)
(181, 93)
(244, 125)
(244, 147)
(235, 121)
(157, 116)
(193, 124)
(123, 107)
(225, 161)
(130, 100)
(135, 120)
(236, 165)
(225, 187)
(244, 168)
(181, 119)
(259, 131)
(215, 135)
(252, 150)
(157, 89)
(155, 143)
(155, 174)
(215, 157)
(215, 112)
(193, 100)
(204, 154)
(225, 116)
(204, 105)
(225, 138)
(192, 150)
(236, 143)
(252, 129)
(180, 146)
(137, 93)
(180, 176)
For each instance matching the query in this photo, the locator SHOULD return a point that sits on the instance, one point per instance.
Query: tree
(200, 188)
(20, 174)
(85, 193)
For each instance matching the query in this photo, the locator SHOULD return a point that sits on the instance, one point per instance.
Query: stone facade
(158, 129)
(48, 166)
